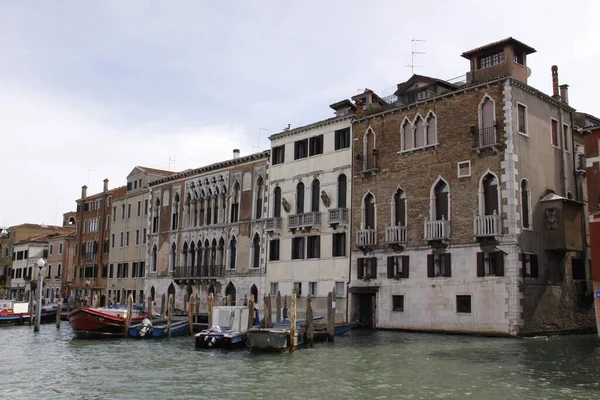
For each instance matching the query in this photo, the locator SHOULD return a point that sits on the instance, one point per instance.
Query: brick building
(463, 195)
(92, 235)
(206, 232)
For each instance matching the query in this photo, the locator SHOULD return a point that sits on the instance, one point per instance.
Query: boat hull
(7, 318)
(225, 340)
(273, 339)
(91, 323)
(180, 327)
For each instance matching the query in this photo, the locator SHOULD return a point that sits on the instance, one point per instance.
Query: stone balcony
(304, 221)
(485, 226)
(273, 225)
(437, 230)
(366, 238)
(338, 216)
(395, 237)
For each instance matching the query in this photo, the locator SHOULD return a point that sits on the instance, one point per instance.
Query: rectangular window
(146, 207)
(342, 138)
(274, 288)
(134, 269)
(340, 289)
(366, 268)
(51, 249)
(312, 288)
(139, 208)
(274, 250)
(297, 248)
(298, 288)
(566, 137)
(112, 241)
(463, 304)
(554, 124)
(58, 271)
(137, 237)
(490, 263)
(522, 118)
(114, 214)
(110, 271)
(338, 248)
(463, 169)
(398, 303)
(301, 149)
(144, 237)
(128, 211)
(578, 269)
(128, 186)
(278, 155)
(313, 246)
(142, 267)
(104, 272)
(529, 265)
(490, 60)
(397, 267)
(127, 239)
(122, 212)
(122, 239)
(316, 145)
(519, 57)
(439, 265)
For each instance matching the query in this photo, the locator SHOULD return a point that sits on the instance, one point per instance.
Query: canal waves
(384, 365)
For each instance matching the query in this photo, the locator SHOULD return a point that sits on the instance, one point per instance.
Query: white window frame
(530, 214)
(458, 164)
(567, 137)
(558, 133)
(526, 133)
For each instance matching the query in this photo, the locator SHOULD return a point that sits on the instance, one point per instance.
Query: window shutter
(337, 140)
(390, 267)
(359, 268)
(405, 266)
(447, 266)
(430, 272)
(499, 263)
(480, 264)
(533, 259)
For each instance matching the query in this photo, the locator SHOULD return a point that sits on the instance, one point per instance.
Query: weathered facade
(61, 251)
(206, 232)
(461, 195)
(309, 211)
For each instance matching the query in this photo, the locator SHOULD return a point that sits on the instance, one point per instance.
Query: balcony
(89, 256)
(366, 239)
(395, 237)
(273, 224)
(198, 272)
(338, 216)
(304, 221)
(487, 226)
(485, 138)
(437, 230)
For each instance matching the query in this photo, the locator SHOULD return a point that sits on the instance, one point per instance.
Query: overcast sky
(90, 89)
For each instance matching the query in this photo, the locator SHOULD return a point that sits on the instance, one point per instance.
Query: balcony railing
(338, 216)
(305, 220)
(273, 224)
(395, 234)
(88, 255)
(204, 271)
(437, 230)
(487, 225)
(366, 237)
(484, 137)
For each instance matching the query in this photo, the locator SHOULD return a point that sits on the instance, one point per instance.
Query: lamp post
(38, 297)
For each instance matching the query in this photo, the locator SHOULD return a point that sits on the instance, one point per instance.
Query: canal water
(363, 365)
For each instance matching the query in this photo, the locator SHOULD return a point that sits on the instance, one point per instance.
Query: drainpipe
(580, 195)
(350, 224)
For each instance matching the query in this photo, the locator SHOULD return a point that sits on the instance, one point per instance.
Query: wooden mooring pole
(292, 341)
(150, 306)
(129, 312)
(330, 318)
(267, 318)
(228, 299)
(309, 321)
(251, 312)
(163, 300)
(211, 302)
(58, 310)
(191, 313)
(278, 305)
(170, 315)
(31, 310)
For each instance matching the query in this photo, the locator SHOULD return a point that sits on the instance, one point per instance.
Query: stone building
(129, 236)
(92, 235)
(59, 264)
(309, 210)
(206, 232)
(467, 204)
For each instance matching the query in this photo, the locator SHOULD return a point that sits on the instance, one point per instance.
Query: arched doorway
(152, 293)
(171, 291)
(230, 291)
(254, 292)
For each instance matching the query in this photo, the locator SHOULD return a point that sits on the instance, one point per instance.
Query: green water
(363, 365)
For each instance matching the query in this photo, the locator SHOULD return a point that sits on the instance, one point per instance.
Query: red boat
(95, 323)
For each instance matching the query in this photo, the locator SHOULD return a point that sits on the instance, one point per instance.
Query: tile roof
(156, 171)
(44, 237)
(508, 40)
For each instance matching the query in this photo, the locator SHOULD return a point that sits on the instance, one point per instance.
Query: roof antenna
(172, 159)
(412, 56)
(258, 140)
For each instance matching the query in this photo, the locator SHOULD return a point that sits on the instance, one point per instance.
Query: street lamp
(38, 297)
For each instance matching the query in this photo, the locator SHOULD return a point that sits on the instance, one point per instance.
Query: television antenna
(413, 53)
(258, 139)
(172, 159)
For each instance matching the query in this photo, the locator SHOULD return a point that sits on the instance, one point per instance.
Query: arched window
(235, 202)
(487, 120)
(165, 198)
(175, 217)
(209, 205)
(489, 192)
(399, 208)
(342, 191)
(277, 202)
(220, 255)
(256, 251)
(419, 132)
(431, 128)
(300, 198)
(525, 204)
(369, 146)
(171, 291)
(173, 257)
(192, 256)
(230, 292)
(206, 258)
(213, 258)
(407, 134)
(188, 210)
(156, 213)
(232, 253)
(254, 292)
(440, 200)
(315, 195)
(369, 212)
(154, 258)
(259, 198)
(184, 254)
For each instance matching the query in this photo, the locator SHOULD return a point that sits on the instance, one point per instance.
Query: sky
(90, 89)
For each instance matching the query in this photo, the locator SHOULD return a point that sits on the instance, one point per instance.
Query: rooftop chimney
(564, 93)
(236, 153)
(83, 191)
(555, 82)
(105, 186)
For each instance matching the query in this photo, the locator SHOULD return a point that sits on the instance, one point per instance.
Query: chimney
(105, 186)
(83, 191)
(564, 93)
(555, 82)
(236, 153)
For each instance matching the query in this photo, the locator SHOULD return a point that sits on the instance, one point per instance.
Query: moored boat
(278, 337)
(13, 312)
(228, 330)
(94, 323)
(158, 327)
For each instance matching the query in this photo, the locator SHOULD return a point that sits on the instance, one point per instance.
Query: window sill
(416, 149)
(398, 311)
(555, 147)
(523, 134)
